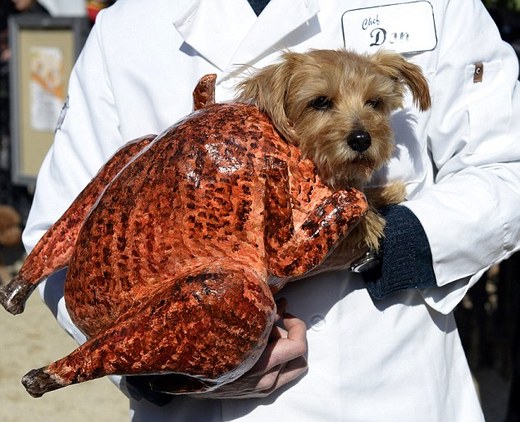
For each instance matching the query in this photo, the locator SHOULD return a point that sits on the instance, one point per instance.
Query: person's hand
(282, 361)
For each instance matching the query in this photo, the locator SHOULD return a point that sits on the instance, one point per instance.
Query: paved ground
(31, 340)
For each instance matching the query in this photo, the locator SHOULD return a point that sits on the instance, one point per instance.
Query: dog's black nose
(359, 140)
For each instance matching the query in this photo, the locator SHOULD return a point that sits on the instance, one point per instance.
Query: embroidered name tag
(404, 28)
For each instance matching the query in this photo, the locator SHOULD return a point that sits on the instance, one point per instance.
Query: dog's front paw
(368, 232)
(391, 194)
(374, 227)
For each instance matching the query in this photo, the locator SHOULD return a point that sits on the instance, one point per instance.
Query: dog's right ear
(397, 67)
(267, 89)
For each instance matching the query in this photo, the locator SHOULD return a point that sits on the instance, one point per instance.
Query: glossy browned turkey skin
(175, 249)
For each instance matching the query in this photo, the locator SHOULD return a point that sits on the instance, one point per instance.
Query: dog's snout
(359, 140)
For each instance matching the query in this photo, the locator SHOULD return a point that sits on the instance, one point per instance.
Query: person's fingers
(279, 376)
(281, 308)
(290, 345)
(297, 330)
(268, 380)
(291, 371)
(278, 332)
(295, 343)
(282, 361)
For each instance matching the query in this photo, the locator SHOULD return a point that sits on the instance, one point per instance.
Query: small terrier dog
(336, 105)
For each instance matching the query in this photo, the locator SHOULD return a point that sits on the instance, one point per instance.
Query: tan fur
(10, 231)
(363, 91)
(10, 235)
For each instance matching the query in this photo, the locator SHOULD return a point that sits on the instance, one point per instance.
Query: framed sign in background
(43, 52)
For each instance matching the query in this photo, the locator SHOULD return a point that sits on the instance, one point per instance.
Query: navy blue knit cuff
(406, 260)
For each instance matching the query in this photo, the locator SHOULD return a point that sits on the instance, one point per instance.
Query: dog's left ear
(397, 67)
(267, 89)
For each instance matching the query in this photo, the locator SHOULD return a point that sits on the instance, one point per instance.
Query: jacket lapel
(237, 36)
(275, 23)
(215, 28)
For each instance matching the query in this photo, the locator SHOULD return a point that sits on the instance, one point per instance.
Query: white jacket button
(317, 322)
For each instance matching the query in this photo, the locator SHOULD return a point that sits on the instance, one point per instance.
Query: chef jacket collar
(242, 36)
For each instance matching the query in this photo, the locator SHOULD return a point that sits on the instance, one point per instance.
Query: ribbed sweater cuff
(406, 260)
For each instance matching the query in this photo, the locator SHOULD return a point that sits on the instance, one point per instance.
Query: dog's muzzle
(359, 140)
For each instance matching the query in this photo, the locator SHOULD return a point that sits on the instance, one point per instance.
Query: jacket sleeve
(471, 213)
(80, 148)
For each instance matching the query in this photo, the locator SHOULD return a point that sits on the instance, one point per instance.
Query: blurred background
(39, 41)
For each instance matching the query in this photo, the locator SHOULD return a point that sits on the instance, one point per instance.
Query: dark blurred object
(10, 194)
(10, 231)
(28, 6)
(489, 317)
(95, 6)
(508, 23)
(511, 5)
(10, 237)
(507, 17)
(510, 279)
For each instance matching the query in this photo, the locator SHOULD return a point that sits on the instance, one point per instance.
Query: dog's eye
(321, 103)
(375, 103)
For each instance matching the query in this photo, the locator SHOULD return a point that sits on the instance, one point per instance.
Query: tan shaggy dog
(336, 105)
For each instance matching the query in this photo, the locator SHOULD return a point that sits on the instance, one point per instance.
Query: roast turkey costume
(176, 247)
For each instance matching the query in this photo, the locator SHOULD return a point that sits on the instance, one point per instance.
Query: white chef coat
(398, 359)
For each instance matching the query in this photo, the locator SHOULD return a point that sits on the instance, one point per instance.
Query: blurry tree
(503, 4)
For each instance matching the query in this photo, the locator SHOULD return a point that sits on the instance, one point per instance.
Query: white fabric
(399, 359)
